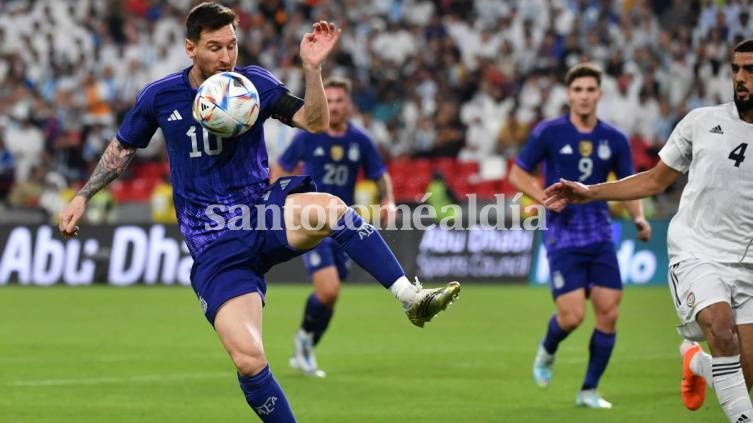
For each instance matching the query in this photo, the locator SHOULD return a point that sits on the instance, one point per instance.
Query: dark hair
(338, 82)
(581, 70)
(744, 46)
(208, 16)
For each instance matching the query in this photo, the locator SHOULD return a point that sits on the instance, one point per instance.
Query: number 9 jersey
(715, 217)
(205, 169)
(588, 158)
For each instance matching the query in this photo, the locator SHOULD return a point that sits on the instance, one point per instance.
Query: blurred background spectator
(463, 81)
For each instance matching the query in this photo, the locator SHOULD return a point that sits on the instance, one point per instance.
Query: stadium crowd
(437, 81)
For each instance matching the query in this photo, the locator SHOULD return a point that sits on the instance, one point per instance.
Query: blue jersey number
(207, 148)
(335, 175)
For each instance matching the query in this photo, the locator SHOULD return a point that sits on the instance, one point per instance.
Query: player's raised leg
(570, 312)
(606, 303)
(238, 324)
(720, 331)
(306, 225)
(317, 312)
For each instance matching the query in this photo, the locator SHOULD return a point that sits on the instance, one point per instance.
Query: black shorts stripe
(673, 279)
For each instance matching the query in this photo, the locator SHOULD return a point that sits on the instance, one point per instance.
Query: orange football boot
(692, 387)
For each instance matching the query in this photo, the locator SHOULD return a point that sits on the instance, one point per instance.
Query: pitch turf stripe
(117, 380)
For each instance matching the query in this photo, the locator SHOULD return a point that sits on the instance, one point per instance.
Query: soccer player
(332, 159)
(221, 175)
(580, 249)
(709, 239)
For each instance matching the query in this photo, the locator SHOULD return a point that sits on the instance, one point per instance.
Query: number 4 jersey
(715, 218)
(205, 169)
(585, 157)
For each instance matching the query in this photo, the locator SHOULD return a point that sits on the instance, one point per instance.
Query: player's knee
(571, 319)
(321, 211)
(607, 318)
(722, 337)
(328, 295)
(249, 363)
(335, 209)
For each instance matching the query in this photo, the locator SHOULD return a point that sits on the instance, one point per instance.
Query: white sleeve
(678, 151)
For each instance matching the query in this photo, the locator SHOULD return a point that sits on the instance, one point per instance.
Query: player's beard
(744, 105)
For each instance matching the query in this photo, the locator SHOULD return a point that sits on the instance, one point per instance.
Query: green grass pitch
(146, 354)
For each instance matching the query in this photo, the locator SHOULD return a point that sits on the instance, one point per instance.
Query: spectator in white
(376, 129)
(482, 117)
(621, 108)
(51, 200)
(424, 138)
(664, 122)
(26, 142)
(648, 110)
(740, 26)
(707, 18)
(698, 96)
(395, 45)
(132, 79)
(679, 79)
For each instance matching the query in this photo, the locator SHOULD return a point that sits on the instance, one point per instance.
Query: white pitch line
(127, 379)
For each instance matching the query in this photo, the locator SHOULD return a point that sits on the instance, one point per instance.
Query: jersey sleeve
(624, 166)
(139, 124)
(373, 165)
(293, 154)
(678, 151)
(534, 150)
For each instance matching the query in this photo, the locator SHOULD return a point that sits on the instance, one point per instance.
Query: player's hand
(558, 195)
(316, 45)
(644, 229)
(388, 214)
(70, 216)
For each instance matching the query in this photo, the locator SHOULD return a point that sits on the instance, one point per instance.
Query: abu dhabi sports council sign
(641, 263)
(475, 254)
(122, 255)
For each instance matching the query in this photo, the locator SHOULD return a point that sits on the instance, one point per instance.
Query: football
(226, 104)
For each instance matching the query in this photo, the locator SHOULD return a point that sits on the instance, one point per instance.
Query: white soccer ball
(227, 104)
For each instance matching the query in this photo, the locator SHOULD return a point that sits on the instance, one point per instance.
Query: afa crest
(336, 152)
(586, 148)
(603, 151)
(353, 152)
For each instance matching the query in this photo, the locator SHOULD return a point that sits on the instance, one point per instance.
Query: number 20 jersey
(714, 220)
(333, 161)
(205, 169)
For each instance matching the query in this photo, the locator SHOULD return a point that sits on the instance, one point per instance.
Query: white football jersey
(715, 216)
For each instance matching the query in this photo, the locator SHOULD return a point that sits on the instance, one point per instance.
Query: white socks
(403, 290)
(730, 388)
(701, 365)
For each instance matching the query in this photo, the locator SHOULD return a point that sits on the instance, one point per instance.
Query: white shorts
(697, 284)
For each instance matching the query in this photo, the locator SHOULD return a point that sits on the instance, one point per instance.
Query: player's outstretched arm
(634, 187)
(387, 199)
(113, 162)
(314, 48)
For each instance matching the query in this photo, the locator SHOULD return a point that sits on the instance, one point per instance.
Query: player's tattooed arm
(113, 162)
